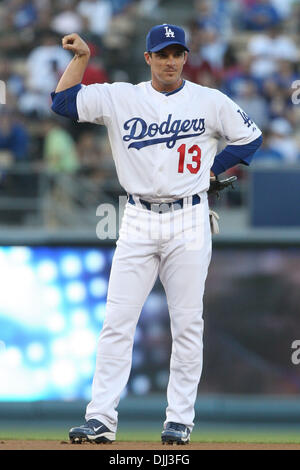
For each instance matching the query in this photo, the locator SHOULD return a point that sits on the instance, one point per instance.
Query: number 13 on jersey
(196, 158)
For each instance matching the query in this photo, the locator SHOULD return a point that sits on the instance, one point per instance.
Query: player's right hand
(74, 43)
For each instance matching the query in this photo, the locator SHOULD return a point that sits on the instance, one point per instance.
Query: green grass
(233, 437)
(208, 434)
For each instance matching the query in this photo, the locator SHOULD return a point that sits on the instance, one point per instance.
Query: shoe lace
(177, 426)
(93, 423)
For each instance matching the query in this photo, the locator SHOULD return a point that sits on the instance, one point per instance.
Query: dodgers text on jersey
(139, 130)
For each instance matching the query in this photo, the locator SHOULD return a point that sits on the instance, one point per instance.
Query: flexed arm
(64, 97)
(74, 72)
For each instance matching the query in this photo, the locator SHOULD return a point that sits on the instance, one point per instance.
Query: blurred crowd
(246, 48)
(249, 50)
(32, 61)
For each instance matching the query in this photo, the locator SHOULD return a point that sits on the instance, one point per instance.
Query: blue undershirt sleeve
(234, 154)
(64, 102)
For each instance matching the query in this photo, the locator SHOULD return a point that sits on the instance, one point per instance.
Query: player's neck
(163, 88)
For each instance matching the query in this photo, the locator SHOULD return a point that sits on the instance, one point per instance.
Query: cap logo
(169, 33)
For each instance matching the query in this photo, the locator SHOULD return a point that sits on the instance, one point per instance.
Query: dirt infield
(65, 445)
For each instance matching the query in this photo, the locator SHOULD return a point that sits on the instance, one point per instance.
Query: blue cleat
(92, 431)
(175, 432)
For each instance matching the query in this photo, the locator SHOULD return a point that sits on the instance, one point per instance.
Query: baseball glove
(217, 185)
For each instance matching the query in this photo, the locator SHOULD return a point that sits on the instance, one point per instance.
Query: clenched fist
(74, 43)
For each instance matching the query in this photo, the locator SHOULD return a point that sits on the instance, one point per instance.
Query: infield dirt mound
(65, 445)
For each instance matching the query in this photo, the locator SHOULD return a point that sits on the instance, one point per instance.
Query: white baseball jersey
(164, 145)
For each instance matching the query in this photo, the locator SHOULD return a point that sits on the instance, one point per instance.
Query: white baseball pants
(177, 247)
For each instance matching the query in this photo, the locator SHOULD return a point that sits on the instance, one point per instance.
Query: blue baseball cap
(165, 35)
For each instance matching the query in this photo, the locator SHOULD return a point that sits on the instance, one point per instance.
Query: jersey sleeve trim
(235, 154)
(64, 102)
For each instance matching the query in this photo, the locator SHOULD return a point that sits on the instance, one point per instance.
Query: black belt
(163, 207)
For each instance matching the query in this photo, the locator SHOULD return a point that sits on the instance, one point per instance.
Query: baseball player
(163, 135)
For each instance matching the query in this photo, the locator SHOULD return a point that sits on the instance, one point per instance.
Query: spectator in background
(211, 29)
(235, 71)
(196, 69)
(45, 15)
(282, 140)
(284, 7)
(119, 6)
(60, 153)
(14, 146)
(294, 19)
(265, 153)
(205, 14)
(60, 163)
(284, 77)
(14, 81)
(261, 15)
(279, 143)
(44, 66)
(213, 14)
(286, 73)
(148, 8)
(267, 49)
(252, 103)
(68, 19)
(279, 101)
(95, 72)
(212, 46)
(46, 63)
(117, 43)
(14, 139)
(90, 157)
(99, 14)
(23, 13)
(18, 22)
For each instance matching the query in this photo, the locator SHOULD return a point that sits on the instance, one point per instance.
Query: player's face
(166, 67)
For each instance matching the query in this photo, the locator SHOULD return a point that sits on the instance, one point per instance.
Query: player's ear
(147, 56)
(185, 57)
